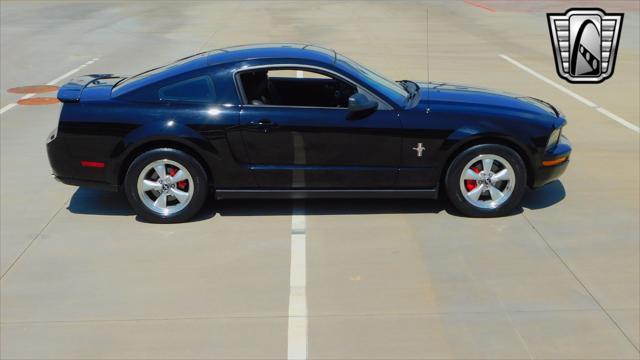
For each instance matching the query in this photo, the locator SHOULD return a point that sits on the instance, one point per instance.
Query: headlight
(553, 138)
(52, 135)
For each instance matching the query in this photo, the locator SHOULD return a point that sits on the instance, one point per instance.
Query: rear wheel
(166, 185)
(486, 180)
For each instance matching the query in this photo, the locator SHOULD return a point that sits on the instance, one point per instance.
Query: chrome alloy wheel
(487, 181)
(165, 187)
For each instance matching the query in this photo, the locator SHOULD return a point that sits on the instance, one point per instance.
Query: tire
(175, 197)
(475, 192)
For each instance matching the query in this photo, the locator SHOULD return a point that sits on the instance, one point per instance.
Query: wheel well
(157, 144)
(490, 140)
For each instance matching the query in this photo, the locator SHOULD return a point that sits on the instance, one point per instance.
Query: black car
(295, 121)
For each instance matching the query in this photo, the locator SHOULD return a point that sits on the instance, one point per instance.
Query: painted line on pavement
(298, 321)
(480, 6)
(297, 338)
(52, 82)
(581, 99)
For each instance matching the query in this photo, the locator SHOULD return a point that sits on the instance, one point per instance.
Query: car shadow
(544, 197)
(329, 207)
(97, 202)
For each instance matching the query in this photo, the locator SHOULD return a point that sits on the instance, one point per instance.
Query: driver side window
(294, 87)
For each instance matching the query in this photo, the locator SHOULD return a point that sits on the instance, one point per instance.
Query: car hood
(468, 95)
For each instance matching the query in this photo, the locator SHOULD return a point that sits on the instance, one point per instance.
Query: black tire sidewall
(452, 180)
(200, 184)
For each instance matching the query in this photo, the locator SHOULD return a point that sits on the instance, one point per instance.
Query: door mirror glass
(360, 103)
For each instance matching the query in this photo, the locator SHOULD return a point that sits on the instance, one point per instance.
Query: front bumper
(546, 174)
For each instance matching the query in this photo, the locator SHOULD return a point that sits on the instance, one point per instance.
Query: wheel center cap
(485, 177)
(166, 183)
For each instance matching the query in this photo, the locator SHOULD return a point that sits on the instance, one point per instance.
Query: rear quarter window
(197, 89)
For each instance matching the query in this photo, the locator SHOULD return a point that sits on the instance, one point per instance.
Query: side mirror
(360, 103)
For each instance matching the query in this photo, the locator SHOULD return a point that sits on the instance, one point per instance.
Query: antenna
(428, 75)
(428, 78)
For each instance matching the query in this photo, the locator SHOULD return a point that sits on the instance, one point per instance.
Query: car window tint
(195, 89)
(295, 87)
(160, 69)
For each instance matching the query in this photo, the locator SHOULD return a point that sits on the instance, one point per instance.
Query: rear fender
(178, 135)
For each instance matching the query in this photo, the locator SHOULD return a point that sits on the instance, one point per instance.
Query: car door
(307, 146)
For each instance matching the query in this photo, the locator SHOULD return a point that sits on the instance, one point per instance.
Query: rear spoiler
(71, 91)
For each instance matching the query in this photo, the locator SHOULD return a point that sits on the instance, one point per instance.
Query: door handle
(264, 124)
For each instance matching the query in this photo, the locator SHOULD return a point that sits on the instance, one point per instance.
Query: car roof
(297, 52)
(272, 51)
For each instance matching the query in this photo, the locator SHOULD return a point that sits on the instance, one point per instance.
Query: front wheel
(486, 180)
(166, 186)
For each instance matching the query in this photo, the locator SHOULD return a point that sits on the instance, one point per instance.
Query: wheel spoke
(169, 190)
(487, 164)
(495, 193)
(161, 201)
(179, 176)
(475, 193)
(160, 170)
(501, 175)
(148, 185)
(181, 196)
(471, 175)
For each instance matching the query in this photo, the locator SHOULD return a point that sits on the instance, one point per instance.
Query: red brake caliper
(471, 184)
(181, 184)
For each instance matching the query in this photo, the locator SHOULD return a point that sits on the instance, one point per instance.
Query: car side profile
(299, 121)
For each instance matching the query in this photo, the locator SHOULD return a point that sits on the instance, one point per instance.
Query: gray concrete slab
(223, 338)
(438, 336)
(83, 278)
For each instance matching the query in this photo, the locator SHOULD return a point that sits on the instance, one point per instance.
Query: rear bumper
(68, 170)
(546, 174)
(87, 183)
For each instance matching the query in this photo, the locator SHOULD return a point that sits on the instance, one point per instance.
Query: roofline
(304, 46)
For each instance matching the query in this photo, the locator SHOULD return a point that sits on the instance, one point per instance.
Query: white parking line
(297, 326)
(52, 82)
(587, 102)
(7, 107)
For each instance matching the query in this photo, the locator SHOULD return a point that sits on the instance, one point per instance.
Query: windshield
(157, 70)
(390, 86)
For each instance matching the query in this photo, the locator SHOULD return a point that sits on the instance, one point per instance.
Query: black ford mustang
(299, 121)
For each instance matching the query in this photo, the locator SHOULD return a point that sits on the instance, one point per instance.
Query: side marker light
(557, 161)
(93, 164)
